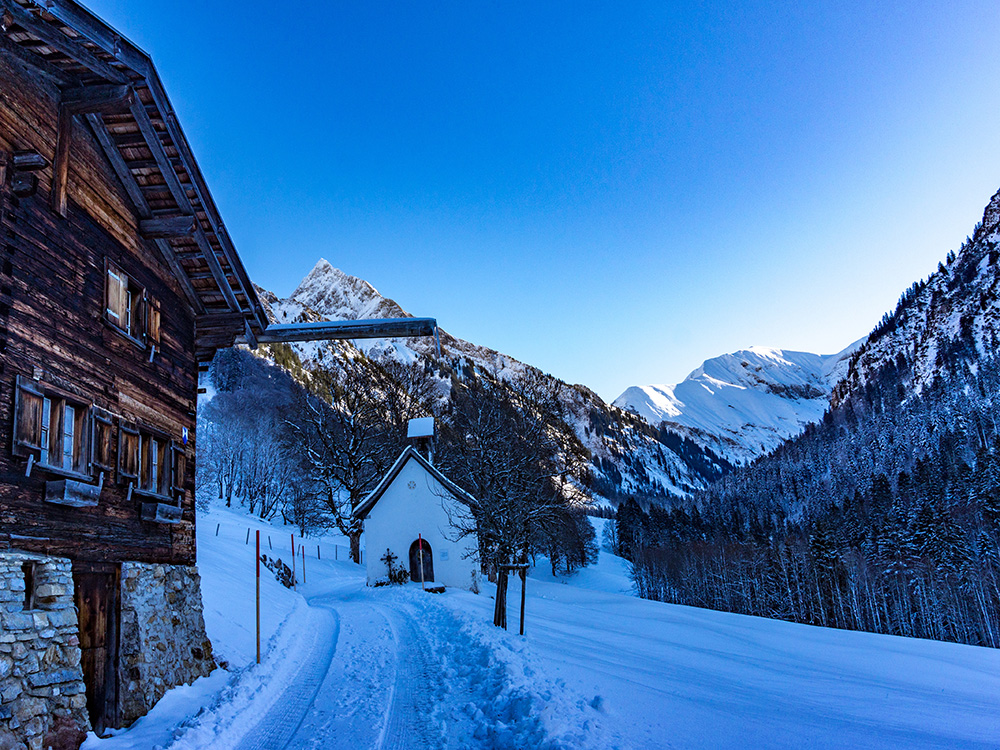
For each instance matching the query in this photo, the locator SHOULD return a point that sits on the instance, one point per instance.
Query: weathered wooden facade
(111, 258)
(118, 282)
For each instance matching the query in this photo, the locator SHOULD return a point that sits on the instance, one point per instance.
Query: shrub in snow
(396, 573)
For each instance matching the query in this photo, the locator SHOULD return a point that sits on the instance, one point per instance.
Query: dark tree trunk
(355, 538)
(500, 609)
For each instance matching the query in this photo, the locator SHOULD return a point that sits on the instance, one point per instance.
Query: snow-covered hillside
(744, 404)
(628, 456)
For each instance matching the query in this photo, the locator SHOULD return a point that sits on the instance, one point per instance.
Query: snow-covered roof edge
(410, 452)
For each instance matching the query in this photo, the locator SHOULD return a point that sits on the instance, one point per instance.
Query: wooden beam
(57, 75)
(248, 334)
(54, 38)
(104, 100)
(167, 227)
(97, 31)
(60, 165)
(83, 100)
(216, 268)
(180, 274)
(28, 161)
(180, 197)
(118, 164)
(387, 328)
(141, 207)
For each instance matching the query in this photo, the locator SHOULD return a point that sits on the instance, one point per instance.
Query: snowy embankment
(348, 666)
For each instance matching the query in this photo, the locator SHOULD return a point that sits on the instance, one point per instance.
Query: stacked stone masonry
(163, 640)
(41, 682)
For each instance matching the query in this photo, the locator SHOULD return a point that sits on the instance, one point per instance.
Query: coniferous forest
(883, 517)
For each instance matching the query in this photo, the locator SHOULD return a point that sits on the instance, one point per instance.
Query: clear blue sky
(613, 192)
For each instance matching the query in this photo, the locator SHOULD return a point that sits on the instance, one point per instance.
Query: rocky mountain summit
(627, 455)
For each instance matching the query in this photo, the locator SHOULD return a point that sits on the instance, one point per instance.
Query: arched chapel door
(428, 559)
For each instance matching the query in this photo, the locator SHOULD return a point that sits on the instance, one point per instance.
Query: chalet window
(51, 427)
(155, 464)
(129, 308)
(178, 469)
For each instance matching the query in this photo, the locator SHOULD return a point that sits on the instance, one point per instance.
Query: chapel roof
(411, 453)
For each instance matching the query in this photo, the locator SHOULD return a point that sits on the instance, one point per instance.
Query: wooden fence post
(524, 576)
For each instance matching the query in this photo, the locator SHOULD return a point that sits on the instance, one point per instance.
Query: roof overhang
(410, 453)
(147, 149)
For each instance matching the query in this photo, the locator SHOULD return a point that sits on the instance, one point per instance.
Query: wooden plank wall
(51, 317)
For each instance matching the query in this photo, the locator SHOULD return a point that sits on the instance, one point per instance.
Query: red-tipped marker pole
(258, 597)
(420, 552)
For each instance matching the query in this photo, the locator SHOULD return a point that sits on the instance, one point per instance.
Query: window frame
(51, 432)
(99, 417)
(125, 476)
(171, 465)
(142, 324)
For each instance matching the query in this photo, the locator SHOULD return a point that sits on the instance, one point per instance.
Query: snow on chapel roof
(410, 452)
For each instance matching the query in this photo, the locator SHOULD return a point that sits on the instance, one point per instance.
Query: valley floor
(348, 666)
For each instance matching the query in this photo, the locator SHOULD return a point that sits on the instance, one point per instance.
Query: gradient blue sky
(613, 192)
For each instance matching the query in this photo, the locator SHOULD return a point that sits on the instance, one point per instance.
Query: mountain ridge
(744, 403)
(627, 455)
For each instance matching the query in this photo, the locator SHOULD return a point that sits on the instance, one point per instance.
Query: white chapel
(410, 512)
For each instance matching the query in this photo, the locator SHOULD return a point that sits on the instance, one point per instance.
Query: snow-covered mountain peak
(339, 296)
(744, 403)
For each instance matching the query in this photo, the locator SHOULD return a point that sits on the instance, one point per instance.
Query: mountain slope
(743, 404)
(628, 456)
(954, 313)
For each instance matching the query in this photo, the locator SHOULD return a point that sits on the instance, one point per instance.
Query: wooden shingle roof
(148, 150)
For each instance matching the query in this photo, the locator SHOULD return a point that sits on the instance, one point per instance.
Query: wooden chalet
(118, 283)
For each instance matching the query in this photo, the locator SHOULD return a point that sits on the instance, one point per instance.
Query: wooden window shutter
(178, 470)
(153, 329)
(101, 437)
(128, 453)
(27, 416)
(116, 301)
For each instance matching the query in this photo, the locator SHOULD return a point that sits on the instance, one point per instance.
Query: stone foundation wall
(163, 641)
(41, 683)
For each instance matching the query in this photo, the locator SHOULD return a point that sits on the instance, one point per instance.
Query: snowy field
(353, 667)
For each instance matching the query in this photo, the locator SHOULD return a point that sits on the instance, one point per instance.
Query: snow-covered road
(383, 669)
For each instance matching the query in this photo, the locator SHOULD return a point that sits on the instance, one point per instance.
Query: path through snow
(390, 669)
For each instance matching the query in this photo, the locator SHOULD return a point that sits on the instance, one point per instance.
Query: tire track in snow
(350, 708)
(408, 722)
(277, 727)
